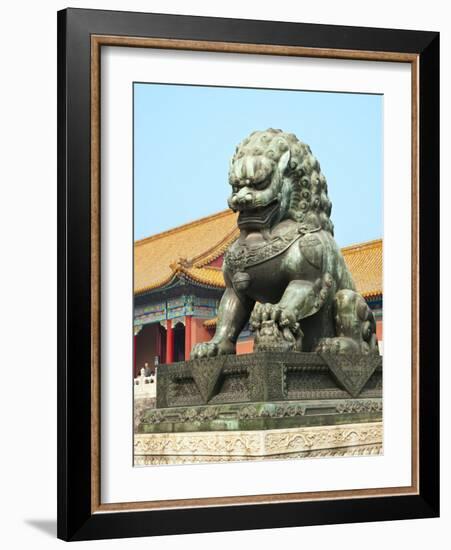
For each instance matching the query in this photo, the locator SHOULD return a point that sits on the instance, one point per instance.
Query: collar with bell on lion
(240, 256)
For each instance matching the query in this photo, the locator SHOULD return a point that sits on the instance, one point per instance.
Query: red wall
(245, 346)
(149, 342)
(217, 263)
(379, 330)
(198, 332)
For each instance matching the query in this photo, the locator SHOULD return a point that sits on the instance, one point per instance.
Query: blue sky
(184, 137)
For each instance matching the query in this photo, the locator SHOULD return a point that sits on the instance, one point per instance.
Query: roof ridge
(180, 228)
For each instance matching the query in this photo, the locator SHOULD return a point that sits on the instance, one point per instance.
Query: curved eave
(183, 273)
(201, 276)
(372, 294)
(154, 286)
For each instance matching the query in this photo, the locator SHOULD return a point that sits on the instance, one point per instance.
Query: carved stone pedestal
(268, 376)
(265, 405)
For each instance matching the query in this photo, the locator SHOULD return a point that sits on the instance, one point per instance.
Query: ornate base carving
(268, 376)
(259, 416)
(305, 442)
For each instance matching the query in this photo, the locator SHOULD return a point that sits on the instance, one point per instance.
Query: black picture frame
(76, 518)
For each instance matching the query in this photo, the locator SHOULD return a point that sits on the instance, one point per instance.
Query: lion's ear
(283, 162)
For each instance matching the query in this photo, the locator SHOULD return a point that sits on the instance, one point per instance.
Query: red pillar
(187, 337)
(169, 342)
(134, 355)
(157, 343)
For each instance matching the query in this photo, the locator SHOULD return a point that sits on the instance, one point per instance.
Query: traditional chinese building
(178, 285)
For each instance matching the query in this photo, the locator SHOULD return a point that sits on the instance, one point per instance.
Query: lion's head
(274, 176)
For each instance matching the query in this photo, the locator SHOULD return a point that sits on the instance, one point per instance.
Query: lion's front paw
(276, 328)
(284, 316)
(211, 349)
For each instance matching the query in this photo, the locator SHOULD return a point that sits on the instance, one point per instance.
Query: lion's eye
(261, 185)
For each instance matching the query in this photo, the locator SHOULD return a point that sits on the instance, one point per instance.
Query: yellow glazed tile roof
(364, 261)
(186, 250)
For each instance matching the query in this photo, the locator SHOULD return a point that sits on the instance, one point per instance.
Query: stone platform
(364, 439)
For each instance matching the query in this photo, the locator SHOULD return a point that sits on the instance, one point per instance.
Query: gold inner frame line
(97, 41)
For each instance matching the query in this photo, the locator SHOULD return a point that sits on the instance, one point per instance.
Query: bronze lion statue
(285, 273)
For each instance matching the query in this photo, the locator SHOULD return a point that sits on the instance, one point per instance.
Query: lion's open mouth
(260, 217)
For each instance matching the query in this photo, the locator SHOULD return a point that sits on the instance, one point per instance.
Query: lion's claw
(211, 349)
(204, 349)
(284, 316)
